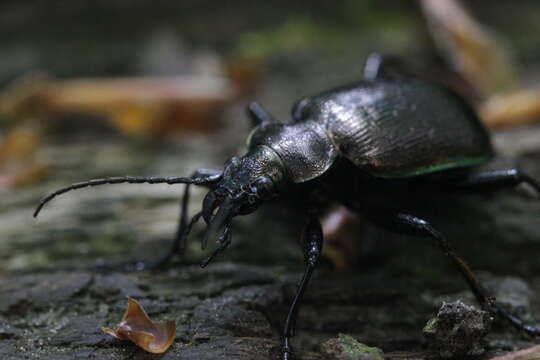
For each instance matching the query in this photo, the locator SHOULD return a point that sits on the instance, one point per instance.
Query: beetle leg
(205, 177)
(298, 108)
(258, 115)
(372, 66)
(496, 179)
(312, 239)
(410, 225)
(179, 243)
(379, 66)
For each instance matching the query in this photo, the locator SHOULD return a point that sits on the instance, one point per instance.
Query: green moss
(354, 350)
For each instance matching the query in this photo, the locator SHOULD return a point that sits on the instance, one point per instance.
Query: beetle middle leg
(410, 225)
(312, 239)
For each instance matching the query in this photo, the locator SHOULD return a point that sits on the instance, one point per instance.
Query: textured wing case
(400, 129)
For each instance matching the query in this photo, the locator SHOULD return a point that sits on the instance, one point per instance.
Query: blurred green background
(89, 38)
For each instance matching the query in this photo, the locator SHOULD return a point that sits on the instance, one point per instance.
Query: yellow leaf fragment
(149, 335)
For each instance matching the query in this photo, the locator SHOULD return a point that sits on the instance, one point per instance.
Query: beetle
(368, 145)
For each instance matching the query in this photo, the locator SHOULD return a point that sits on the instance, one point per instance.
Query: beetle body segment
(397, 128)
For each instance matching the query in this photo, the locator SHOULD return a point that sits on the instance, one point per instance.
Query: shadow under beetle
(369, 145)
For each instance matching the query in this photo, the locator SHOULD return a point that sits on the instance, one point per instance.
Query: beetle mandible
(365, 145)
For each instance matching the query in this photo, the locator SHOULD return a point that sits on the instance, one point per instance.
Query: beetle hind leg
(411, 225)
(494, 178)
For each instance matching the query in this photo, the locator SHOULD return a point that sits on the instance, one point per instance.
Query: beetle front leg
(312, 239)
(202, 177)
(411, 225)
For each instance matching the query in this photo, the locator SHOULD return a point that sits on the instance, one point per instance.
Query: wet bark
(61, 281)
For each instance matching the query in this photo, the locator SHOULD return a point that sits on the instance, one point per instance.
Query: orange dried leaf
(133, 105)
(149, 335)
(145, 105)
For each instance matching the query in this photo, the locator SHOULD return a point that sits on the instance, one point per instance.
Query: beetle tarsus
(514, 320)
(286, 350)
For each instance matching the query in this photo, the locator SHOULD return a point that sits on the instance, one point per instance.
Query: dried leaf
(134, 105)
(474, 50)
(145, 333)
(511, 109)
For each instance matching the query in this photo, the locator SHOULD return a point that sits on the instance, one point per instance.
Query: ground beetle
(368, 145)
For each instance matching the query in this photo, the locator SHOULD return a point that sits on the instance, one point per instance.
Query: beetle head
(246, 183)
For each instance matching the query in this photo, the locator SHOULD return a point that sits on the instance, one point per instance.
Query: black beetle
(367, 145)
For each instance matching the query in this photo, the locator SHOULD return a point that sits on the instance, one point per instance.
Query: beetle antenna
(114, 180)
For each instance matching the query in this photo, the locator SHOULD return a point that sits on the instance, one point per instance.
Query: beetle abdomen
(400, 128)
